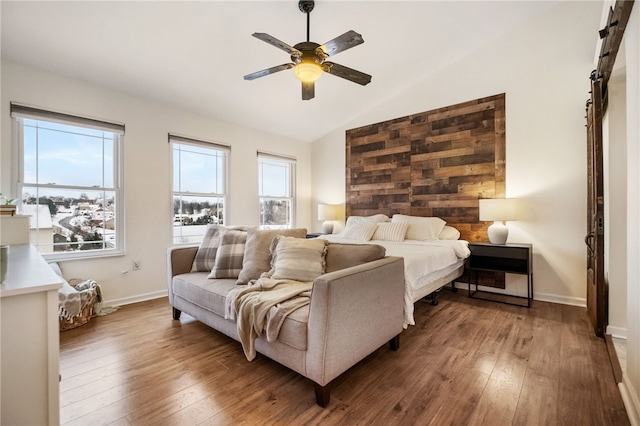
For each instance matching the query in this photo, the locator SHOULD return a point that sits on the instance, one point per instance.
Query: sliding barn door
(596, 289)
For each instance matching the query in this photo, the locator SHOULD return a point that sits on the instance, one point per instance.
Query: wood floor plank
(465, 362)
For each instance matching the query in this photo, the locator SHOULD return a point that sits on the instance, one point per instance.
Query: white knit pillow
(388, 231)
(299, 259)
(362, 231)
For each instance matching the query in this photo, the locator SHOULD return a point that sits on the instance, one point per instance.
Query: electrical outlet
(136, 265)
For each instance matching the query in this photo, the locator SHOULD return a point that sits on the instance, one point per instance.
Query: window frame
(21, 112)
(292, 162)
(200, 143)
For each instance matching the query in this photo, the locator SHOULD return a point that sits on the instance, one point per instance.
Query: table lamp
(327, 213)
(498, 210)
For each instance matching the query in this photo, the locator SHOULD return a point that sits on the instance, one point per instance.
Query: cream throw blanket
(264, 304)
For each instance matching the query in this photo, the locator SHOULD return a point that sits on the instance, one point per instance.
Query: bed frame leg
(176, 313)
(434, 298)
(453, 287)
(394, 344)
(323, 394)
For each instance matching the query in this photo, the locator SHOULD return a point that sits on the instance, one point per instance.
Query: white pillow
(376, 218)
(421, 228)
(449, 233)
(362, 231)
(389, 231)
(299, 259)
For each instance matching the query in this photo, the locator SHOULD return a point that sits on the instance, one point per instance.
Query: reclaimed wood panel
(433, 163)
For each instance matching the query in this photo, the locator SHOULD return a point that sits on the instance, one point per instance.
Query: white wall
(630, 388)
(148, 180)
(615, 177)
(543, 68)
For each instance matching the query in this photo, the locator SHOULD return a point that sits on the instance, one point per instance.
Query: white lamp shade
(498, 209)
(327, 211)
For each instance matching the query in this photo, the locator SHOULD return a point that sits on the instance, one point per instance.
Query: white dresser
(29, 340)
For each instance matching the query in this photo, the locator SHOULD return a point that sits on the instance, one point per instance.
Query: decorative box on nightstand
(509, 258)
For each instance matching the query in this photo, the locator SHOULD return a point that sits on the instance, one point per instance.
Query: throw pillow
(389, 231)
(257, 257)
(421, 228)
(206, 254)
(449, 233)
(376, 218)
(299, 259)
(362, 231)
(230, 253)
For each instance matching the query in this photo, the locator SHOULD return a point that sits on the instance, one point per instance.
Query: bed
(430, 263)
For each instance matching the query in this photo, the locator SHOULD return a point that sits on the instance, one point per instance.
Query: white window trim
(292, 183)
(185, 140)
(20, 112)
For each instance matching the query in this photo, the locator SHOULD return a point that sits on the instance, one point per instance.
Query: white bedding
(424, 263)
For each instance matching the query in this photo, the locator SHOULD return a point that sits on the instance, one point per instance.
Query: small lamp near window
(498, 210)
(327, 213)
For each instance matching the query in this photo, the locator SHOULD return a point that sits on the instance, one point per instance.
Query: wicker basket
(89, 298)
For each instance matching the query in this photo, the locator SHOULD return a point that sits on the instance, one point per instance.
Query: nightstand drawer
(510, 258)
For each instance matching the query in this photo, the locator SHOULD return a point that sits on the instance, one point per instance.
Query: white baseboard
(136, 299)
(631, 401)
(543, 297)
(564, 300)
(617, 332)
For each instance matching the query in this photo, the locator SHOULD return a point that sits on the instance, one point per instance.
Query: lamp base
(498, 233)
(327, 227)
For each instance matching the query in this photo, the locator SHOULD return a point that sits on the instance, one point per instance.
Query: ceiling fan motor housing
(309, 53)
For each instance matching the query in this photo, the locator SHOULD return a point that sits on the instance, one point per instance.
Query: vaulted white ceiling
(193, 55)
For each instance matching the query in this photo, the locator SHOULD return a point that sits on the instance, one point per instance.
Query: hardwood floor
(465, 362)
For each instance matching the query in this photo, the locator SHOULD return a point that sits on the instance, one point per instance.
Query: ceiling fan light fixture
(307, 72)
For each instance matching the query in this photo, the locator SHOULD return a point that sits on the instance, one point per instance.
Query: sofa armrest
(353, 312)
(179, 261)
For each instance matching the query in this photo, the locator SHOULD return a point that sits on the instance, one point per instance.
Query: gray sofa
(355, 308)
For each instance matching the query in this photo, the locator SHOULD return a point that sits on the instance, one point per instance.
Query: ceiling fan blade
(277, 43)
(308, 91)
(345, 41)
(268, 71)
(347, 73)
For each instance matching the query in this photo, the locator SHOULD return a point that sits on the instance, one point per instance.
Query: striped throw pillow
(388, 231)
(362, 231)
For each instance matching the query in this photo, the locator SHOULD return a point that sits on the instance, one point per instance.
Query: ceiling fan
(308, 58)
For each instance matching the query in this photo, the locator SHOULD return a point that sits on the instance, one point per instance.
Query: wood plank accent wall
(434, 163)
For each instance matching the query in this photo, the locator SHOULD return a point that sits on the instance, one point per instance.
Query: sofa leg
(176, 314)
(394, 344)
(323, 395)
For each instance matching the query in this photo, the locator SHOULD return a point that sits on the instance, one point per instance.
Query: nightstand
(314, 235)
(509, 258)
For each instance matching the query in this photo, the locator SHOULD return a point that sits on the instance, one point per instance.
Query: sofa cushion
(257, 258)
(299, 259)
(229, 255)
(209, 294)
(341, 256)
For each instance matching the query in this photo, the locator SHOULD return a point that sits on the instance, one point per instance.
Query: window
(199, 187)
(276, 176)
(69, 180)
